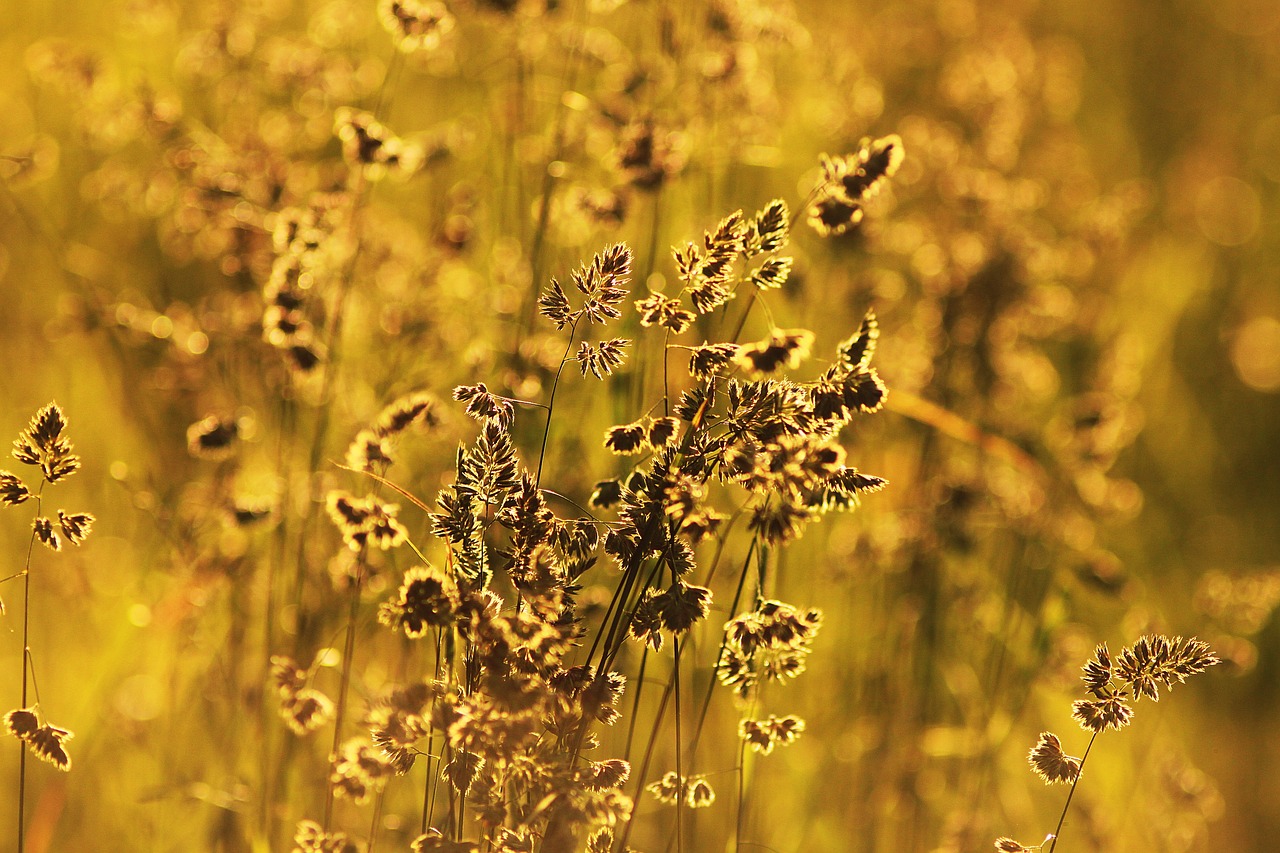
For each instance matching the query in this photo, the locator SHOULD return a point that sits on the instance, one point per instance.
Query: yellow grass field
(514, 426)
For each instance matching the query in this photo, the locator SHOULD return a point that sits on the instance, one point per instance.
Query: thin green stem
(622, 619)
(742, 321)
(614, 637)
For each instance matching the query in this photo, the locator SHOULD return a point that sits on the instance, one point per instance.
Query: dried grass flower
(368, 451)
(1050, 763)
(416, 25)
(1098, 714)
(416, 408)
(212, 438)
(783, 348)
(647, 155)
(433, 841)
(311, 837)
(667, 790)
(484, 405)
(1157, 661)
(44, 531)
(601, 359)
(306, 710)
(45, 740)
(12, 490)
(763, 735)
(360, 770)
(42, 444)
(427, 597)
(850, 181)
(698, 793)
(365, 521)
(603, 284)
(370, 147)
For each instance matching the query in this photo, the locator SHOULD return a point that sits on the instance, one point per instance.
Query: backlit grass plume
(1114, 686)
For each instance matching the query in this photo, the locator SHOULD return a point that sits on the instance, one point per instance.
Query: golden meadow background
(1077, 275)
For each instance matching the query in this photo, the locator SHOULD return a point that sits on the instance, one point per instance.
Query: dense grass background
(1076, 276)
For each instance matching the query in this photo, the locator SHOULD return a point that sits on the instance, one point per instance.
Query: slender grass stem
(374, 821)
(621, 844)
(360, 190)
(614, 643)
(551, 403)
(635, 703)
(1062, 817)
(675, 678)
(617, 631)
(427, 789)
(280, 544)
(724, 638)
(27, 674)
(741, 804)
(666, 387)
(549, 178)
(348, 650)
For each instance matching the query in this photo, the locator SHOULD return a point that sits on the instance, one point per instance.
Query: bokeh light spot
(139, 698)
(1255, 353)
(1228, 211)
(139, 615)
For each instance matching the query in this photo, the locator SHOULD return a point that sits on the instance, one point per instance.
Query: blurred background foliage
(1077, 274)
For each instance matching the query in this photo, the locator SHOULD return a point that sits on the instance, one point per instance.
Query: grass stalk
(26, 673)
